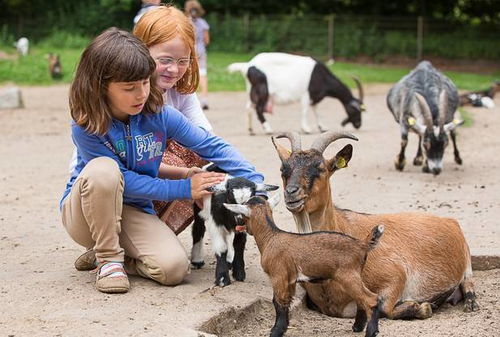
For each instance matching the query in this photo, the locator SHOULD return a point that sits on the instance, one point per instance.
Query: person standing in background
(194, 10)
(146, 6)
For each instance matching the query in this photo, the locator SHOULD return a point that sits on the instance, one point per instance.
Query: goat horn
(443, 105)
(360, 88)
(426, 111)
(322, 142)
(294, 138)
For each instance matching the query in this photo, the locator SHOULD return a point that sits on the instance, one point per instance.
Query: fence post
(420, 37)
(246, 31)
(331, 19)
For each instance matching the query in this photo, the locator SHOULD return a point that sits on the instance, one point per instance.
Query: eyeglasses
(169, 61)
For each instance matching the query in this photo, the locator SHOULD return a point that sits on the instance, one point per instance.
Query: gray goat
(425, 101)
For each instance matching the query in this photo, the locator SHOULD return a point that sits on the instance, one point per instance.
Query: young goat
(55, 68)
(422, 260)
(289, 258)
(227, 244)
(285, 78)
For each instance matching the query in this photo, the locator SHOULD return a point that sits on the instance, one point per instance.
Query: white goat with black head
(227, 244)
(425, 101)
(282, 78)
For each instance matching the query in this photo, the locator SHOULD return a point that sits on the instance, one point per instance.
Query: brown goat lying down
(289, 258)
(422, 262)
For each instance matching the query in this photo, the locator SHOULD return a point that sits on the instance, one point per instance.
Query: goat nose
(291, 189)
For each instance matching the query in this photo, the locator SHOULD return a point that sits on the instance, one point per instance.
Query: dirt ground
(41, 294)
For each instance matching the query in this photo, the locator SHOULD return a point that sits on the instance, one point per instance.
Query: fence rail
(331, 36)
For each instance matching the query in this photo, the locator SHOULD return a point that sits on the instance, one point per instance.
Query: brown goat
(422, 262)
(317, 257)
(55, 68)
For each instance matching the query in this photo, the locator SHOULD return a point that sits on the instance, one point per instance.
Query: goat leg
(372, 328)
(359, 321)
(400, 159)
(198, 232)
(282, 318)
(453, 135)
(419, 158)
(238, 261)
(222, 278)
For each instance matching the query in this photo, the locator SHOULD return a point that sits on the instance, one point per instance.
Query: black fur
(259, 92)
(325, 84)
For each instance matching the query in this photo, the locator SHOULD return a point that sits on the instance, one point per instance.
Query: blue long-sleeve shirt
(138, 149)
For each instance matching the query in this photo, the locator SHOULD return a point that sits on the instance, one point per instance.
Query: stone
(11, 98)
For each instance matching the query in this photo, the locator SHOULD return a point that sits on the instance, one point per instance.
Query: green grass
(32, 70)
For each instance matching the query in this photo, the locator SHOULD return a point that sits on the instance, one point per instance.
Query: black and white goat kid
(227, 244)
(425, 102)
(280, 78)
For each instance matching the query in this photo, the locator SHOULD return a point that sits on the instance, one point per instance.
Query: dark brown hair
(113, 56)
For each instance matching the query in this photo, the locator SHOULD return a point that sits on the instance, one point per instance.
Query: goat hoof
(458, 160)
(223, 281)
(426, 169)
(358, 327)
(400, 164)
(198, 264)
(470, 305)
(239, 275)
(418, 161)
(424, 311)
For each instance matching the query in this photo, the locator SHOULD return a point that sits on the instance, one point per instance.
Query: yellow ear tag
(456, 121)
(411, 121)
(340, 163)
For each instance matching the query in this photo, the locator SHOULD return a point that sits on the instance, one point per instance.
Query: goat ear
(341, 159)
(283, 153)
(266, 187)
(238, 209)
(274, 200)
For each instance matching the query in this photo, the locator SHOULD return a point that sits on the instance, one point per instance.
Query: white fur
(349, 310)
(22, 46)
(288, 78)
(241, 195)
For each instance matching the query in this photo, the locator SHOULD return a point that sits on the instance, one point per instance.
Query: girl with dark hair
(120, 129)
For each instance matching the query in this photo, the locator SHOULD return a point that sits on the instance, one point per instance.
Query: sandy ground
(41, 294)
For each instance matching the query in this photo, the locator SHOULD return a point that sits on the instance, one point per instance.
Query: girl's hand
(192, 171)
(201, 181)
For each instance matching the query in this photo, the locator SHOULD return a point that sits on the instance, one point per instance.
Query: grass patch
(466, 116)
(33, 70)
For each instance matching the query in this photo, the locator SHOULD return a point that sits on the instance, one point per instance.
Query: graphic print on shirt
(121, 148)
(148, 143)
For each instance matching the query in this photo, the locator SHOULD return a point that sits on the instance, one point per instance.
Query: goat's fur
(425, 102)
(227, 244)
(55, 67)
(422, 260)
(481, 98)
(22, 45)
(317, 257)
(280, 78)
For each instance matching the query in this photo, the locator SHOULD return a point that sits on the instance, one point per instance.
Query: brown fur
(320, 256)
(420, 258)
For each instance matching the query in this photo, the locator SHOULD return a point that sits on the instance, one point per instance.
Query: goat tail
(238, 66)
(374, 236)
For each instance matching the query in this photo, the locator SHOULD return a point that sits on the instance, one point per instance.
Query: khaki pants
(95, 217)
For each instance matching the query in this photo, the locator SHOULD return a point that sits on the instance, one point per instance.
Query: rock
(10, 98)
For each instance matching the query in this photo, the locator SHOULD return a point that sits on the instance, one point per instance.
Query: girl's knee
(169, 270)
(102, 173)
